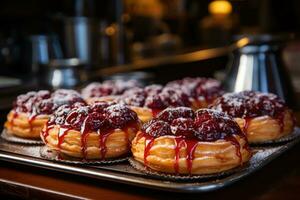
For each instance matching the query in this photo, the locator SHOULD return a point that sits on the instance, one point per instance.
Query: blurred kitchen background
(68, 43)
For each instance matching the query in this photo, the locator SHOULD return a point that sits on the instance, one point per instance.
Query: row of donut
(255, 112)
(188, 126)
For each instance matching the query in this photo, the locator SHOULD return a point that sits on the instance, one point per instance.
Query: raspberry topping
(157, 128)
(169, 114)
(110, 87)
(43, 102)
(155, 97)
(211, 125)
(183, 126)
(134, 97)
(119, 115)
(249, 104)
(203, 125)
(100, 116)
(63, 96)
(199, 88)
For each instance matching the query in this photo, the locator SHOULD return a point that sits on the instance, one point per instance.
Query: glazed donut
(31, 111)
(181, 141)
(262, 116)
(107, 91)
(201, 91)
(99, 131)
(149, 101)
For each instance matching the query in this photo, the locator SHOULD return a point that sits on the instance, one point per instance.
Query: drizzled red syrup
(102, 143)
(280, 119)
(131, 127)
(246, 125)
(179, 143)
(149, 142)
(61, 135)
(188, 129)
(84, 135)
(155, 112)
(191, 147)
(101, 118)
(30, 120)
(43, 102)
(45, 133)
(237, 145)
(15, 115)
(190, 144)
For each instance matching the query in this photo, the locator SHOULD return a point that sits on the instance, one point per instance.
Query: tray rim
(140, 181)
(144, 181)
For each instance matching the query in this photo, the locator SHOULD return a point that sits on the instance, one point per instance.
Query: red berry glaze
(102, 118)
(170, 114)
(157, 128)
(188, 128)
(203, 125)
(101, 115)
(212, 125)
(155, 97)
(249, 104)
(109, 87)
(199, 88)
(183, 127)
(43, 102)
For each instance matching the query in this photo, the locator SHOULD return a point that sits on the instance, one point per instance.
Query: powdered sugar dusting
(99, 116)
(199, 88)
(204, 124)
(249, 104)
(107, 88)
(43, 102)
(155, 97)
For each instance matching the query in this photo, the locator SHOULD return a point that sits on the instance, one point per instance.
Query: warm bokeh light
(220, 7)
(242, 42)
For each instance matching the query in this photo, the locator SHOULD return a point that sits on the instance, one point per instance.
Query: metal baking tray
(124, 173)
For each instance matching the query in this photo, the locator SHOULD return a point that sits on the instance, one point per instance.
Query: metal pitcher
(259, 66)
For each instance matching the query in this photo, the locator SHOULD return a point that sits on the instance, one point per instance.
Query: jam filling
(155, 97)
(250, 104)
(188, 129)
(42, 103)
(102, 118)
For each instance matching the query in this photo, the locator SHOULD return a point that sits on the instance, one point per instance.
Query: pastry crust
(117, 143)
(266, 128)
(143, 113)
(209, 157)
(92, 100)
(20, 124)
(146, 114)
(197, 104)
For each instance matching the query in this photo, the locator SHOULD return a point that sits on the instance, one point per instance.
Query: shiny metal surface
(81, 39)
(124, 173)
(40, 49)
(259, 66)
(62, 73)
